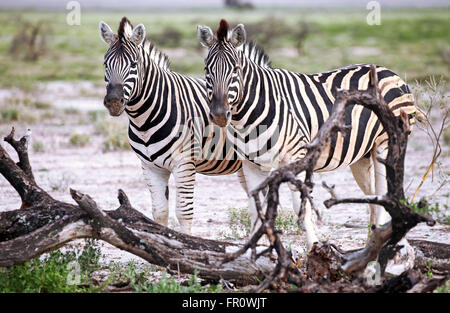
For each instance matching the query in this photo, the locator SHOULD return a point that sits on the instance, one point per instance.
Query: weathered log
(432, 256)
(384, 238)
(45, 224)
(29, 232)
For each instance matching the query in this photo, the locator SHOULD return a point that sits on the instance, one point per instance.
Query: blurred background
(51, 80)
(37, 44)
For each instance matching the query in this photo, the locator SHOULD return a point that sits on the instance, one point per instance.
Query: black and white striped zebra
(275, 113)
(168, 120)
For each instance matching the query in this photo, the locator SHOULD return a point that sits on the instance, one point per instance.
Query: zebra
(165, 111)
(286, 109)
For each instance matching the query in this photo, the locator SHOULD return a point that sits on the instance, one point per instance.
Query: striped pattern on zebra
(286, 110)
(166, 110)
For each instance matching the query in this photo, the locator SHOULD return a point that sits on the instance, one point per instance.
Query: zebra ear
(205, 35)
(238, 36)
(138, 35)
(106, 34)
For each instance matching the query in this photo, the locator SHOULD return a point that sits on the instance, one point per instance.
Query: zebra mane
(126, 30)
(222, 31)
(160, 58)
(256, 54)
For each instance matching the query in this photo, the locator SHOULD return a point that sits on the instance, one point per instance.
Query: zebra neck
(256, 95)
(152, 100)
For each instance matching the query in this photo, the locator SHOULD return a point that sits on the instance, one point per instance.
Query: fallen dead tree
(44, 223)
(325, 260)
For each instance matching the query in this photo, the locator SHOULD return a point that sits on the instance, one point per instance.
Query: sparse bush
(31, 41)
(71, 111)
(94, 116)
(41, 105)
(433, 209)
(50, 273)
(268, 33)
(10, 114)
(274, 30)
(170, 37)
(238, 4)
(89, 256)
(287, 222)
(444, 288)
(38, 146)
(138, 280)
(79, 140)
(116, 136)
(61, 182)
(447, 136)
(240, 223)
(117, 141)
(21, 109)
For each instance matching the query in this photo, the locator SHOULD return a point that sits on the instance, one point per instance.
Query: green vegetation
(412, 42)
(138, 279)
(429, 264)
(23, 109)
(447, 136)
(287, 222)
(444, 288)
(60, 182)
(240, 223)
(114, 131)
(38, 146)
(71, 111)
(72, 270)
(41, 105)
(54, 271)
(79, 140)
(434, 209)
(10, 114)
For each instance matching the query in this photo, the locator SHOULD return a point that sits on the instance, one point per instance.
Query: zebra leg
(308, 218)
(363, 172)
(254, 175)
(184, 176)
(157, 181)
(381, 216)
(242, 180)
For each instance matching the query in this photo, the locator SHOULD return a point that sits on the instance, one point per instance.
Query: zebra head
(223, 67)
(121, 63)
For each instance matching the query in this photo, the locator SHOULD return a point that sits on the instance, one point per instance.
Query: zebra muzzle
(114, 100)
(220, 112)
(221, 120)
(115, 108)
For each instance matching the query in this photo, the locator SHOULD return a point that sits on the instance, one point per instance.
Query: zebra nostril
(121, 100)
(228, 114)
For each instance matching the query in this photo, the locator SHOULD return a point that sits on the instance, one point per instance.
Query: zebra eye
(133, 64)
(235, 69)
